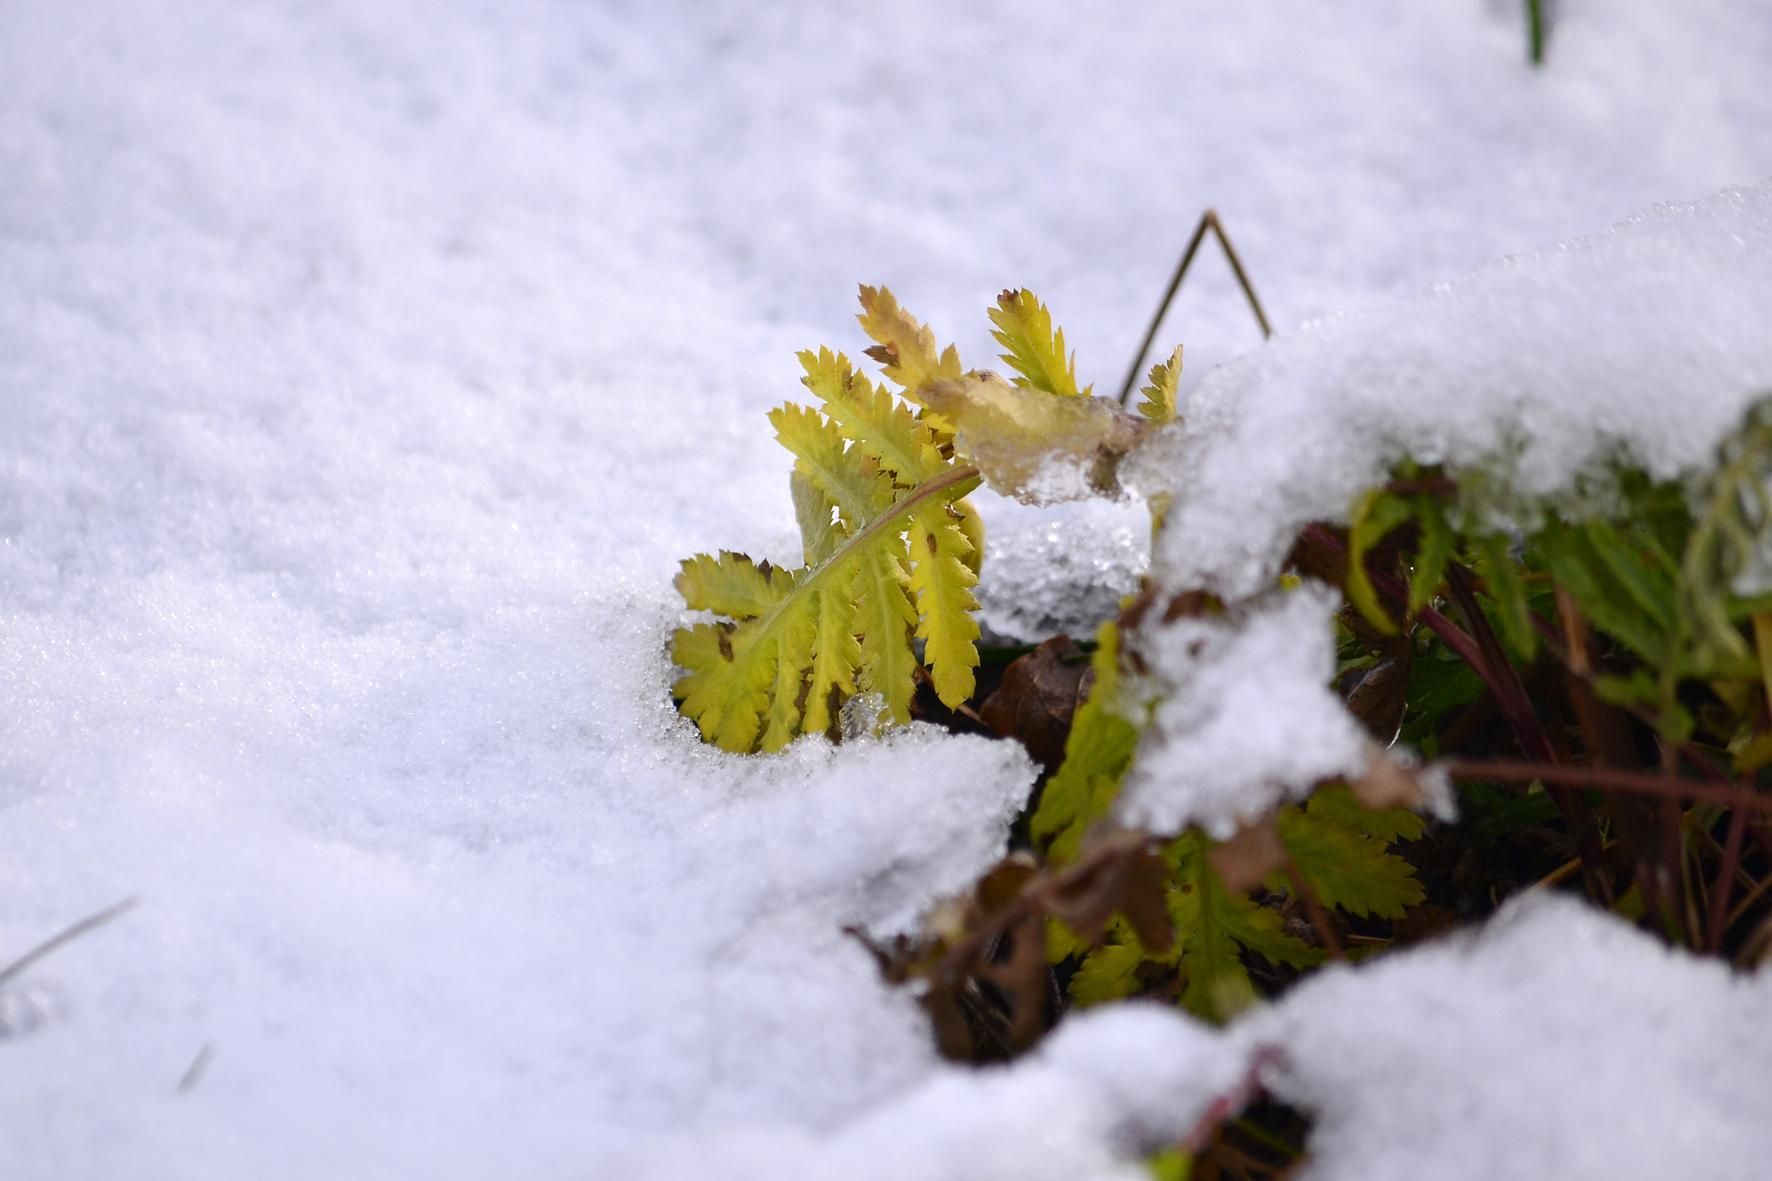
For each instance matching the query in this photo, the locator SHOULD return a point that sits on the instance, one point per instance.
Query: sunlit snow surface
(366, 367)
(1555, 1042)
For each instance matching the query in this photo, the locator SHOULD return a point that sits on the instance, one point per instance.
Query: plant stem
(1725, 880)
(1606, 779)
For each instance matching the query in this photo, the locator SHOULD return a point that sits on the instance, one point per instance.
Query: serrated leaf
(1161, 391)
(1218, 985)
(731, 584)
(942, 584)
(1108, 973)
(1374, 516)
(886, 619)
(746, 683)
(872, 419)
(816, 514)
(733, 680)
(1338, 806)
(793, 654)
(836, 654)
(1345, 869)
(1508, 591)
(905, 349)
(972, 525)
(844, 476)
(1096, 755)
(1433, 552)
(1036, 350)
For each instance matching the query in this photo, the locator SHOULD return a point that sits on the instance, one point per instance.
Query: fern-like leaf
(1345, 868)
(905, 349)
(858, 490)
(1159, 395)
(1035, 349)
(731, 584)
(886, 618)
(1097, 753)
(872, 419)
(836, 654)
(757, 682)
(942, 582)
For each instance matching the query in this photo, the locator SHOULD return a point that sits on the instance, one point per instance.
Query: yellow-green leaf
(942, 582)
(905, 349)
(1035, 349)
(1159, 395)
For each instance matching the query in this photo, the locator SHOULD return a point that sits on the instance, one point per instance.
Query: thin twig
(1515, 704)
(57, 941)
(1208, 221)
(1725, 880)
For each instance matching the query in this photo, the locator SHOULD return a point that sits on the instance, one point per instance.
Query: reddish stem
(1605, 779)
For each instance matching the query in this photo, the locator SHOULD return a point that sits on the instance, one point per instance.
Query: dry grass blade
(61, 939)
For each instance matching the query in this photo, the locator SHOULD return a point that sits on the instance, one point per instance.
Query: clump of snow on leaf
(1555, 1042)
(1244, 714)
(1648, 342)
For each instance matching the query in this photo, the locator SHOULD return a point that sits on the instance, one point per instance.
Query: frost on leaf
(1033, 445)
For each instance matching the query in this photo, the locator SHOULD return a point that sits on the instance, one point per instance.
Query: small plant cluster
(891, 546)
(1594, 679)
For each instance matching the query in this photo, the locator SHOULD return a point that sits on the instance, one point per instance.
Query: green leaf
(1433, 554)
(842, 475)
(877, 423)
(1096, 755)
(731, 584)
(1337, 806)
(1036, 350)
(1159, 395)
(1508, 590)
(1110, 972)
(744, 682)
(942, 581)
(1346, 869)
(904, 347)
(836, 654)
(1375, 515)
(886, 618)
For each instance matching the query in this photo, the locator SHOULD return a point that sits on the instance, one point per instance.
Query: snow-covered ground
(366, 367)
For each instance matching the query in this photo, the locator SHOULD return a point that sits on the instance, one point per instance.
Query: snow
(366, 368)
(1496, 372)
(1243, 717)
(1554, 1042)
(1487, 374)
(1559, 1043)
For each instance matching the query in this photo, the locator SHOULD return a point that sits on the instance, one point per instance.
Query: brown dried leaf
(1037, 699)
(1132, 882)
(1379, 694)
